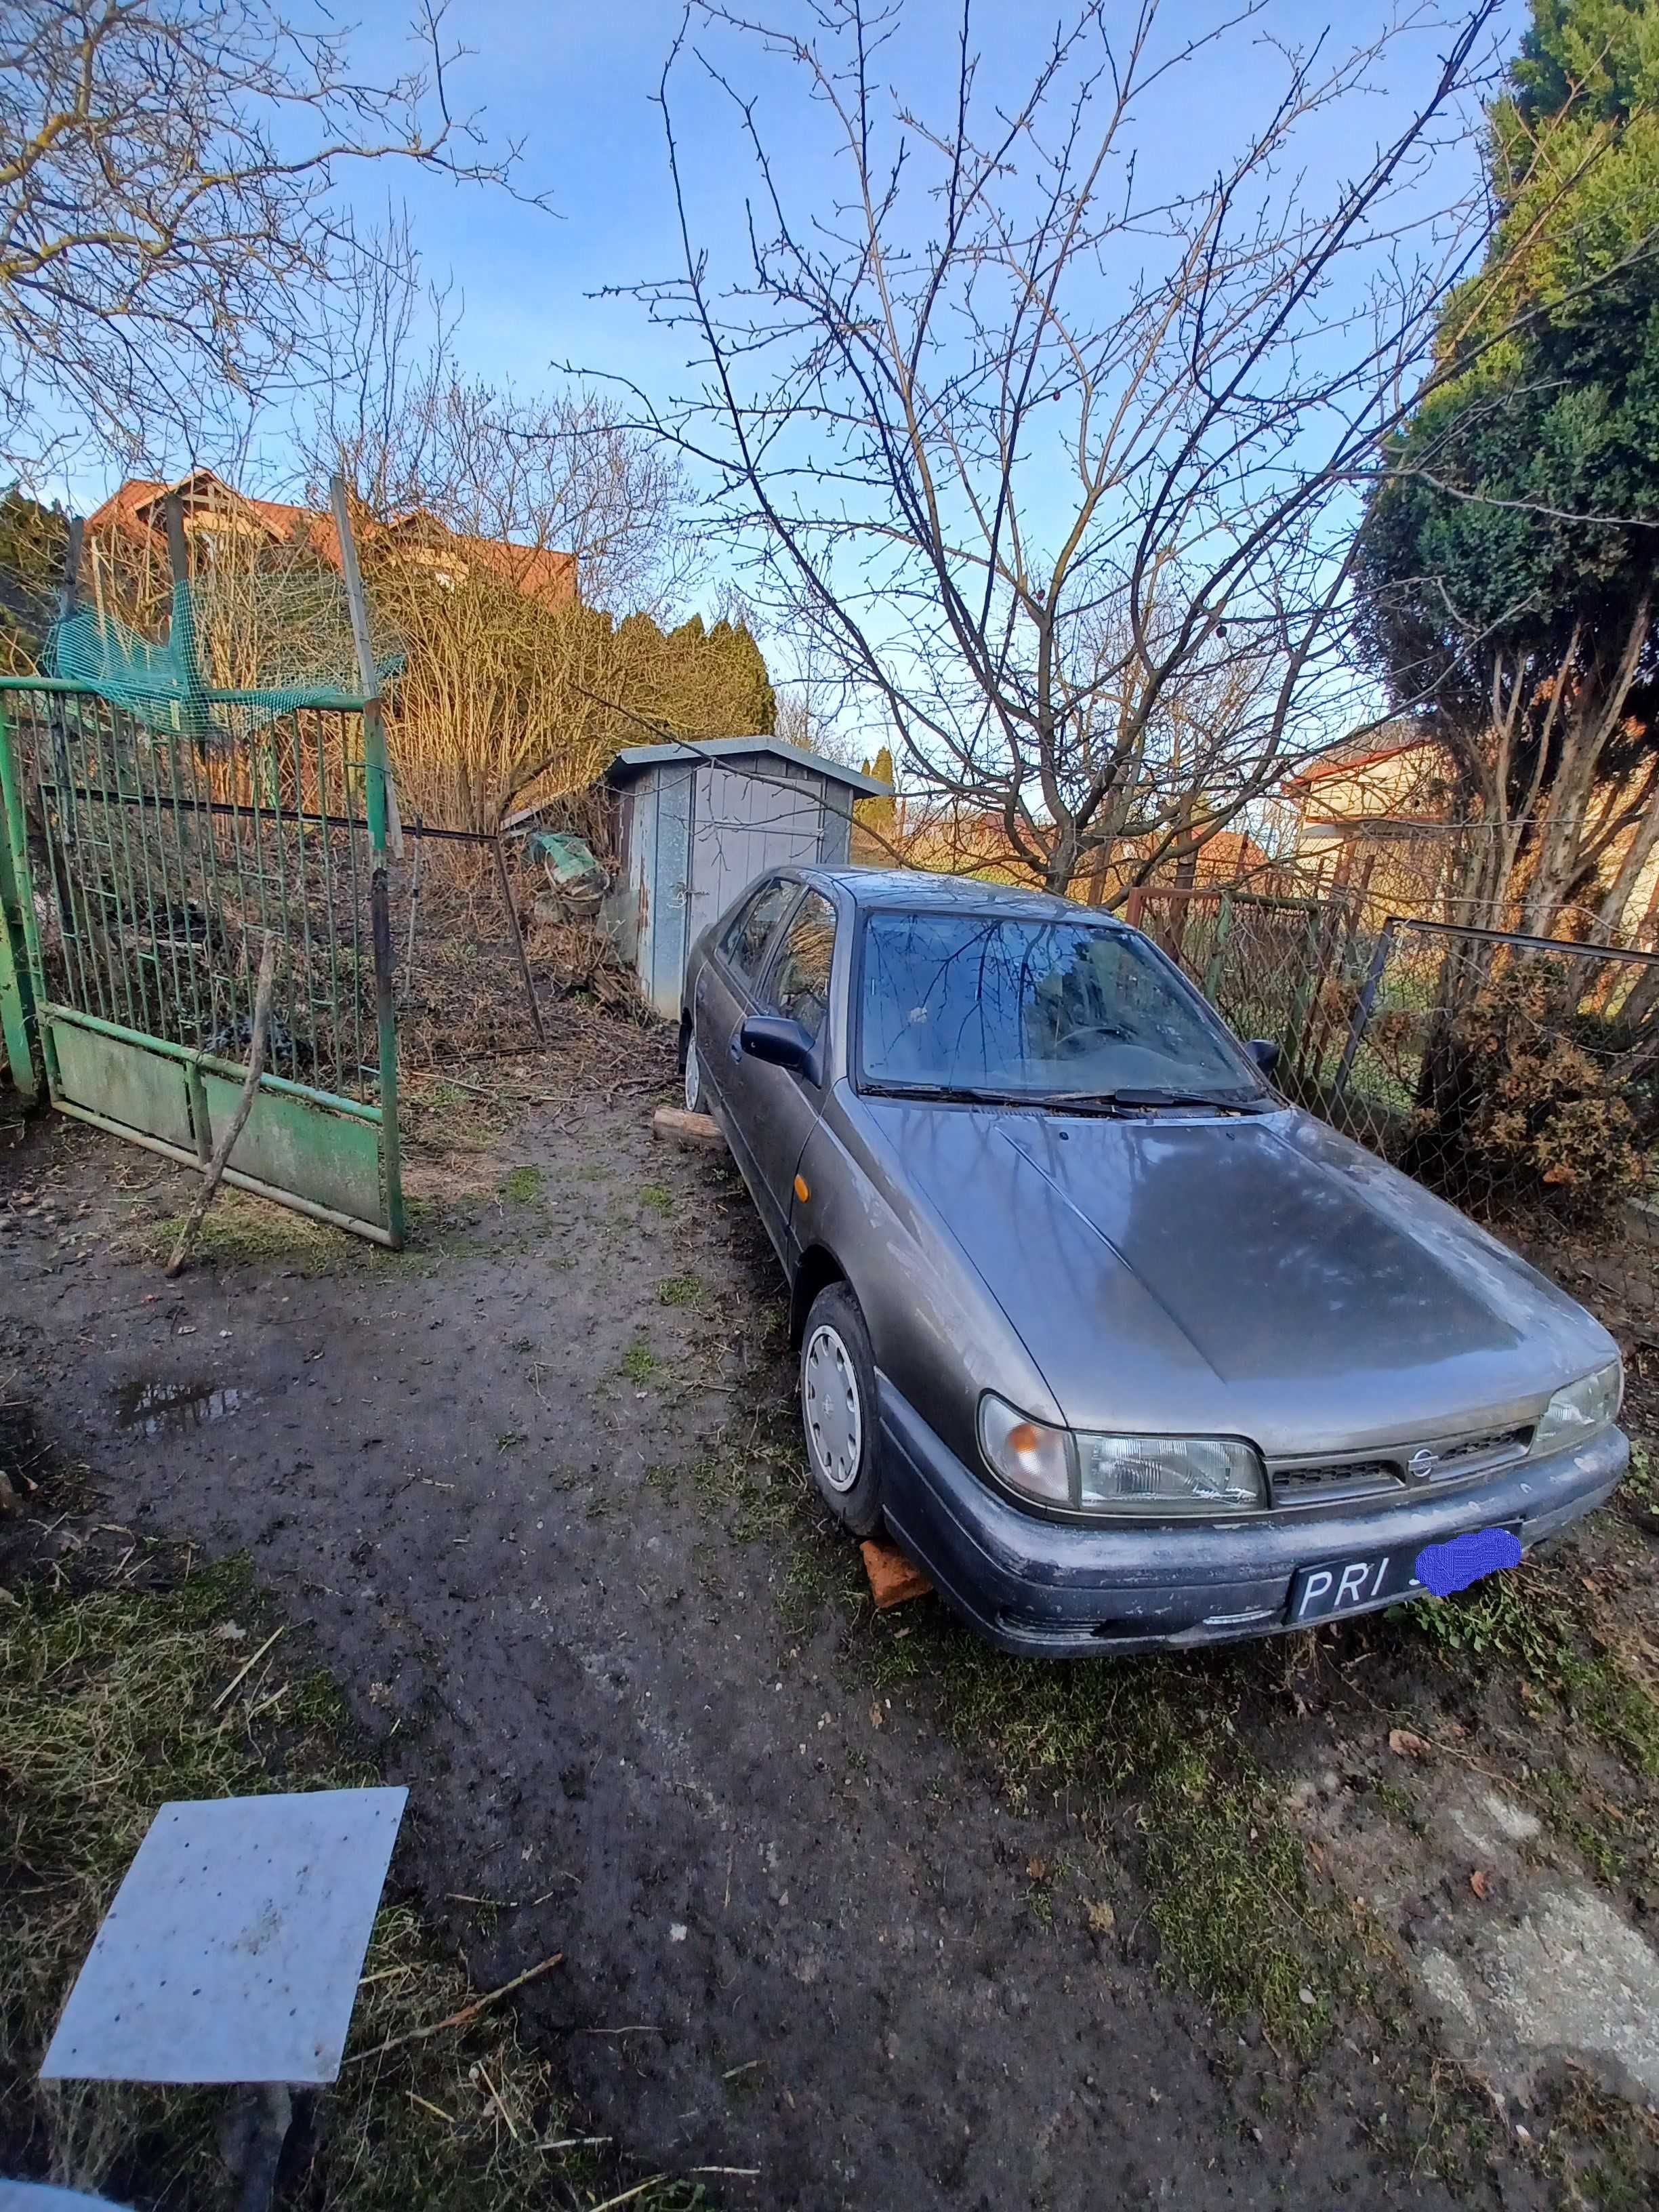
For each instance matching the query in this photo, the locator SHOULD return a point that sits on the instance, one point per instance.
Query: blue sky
(574, 84)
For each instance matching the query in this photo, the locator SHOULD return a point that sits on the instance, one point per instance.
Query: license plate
(1351, 1585)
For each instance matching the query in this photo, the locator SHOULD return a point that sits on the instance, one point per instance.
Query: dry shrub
(461, 997)
(1527, 1104)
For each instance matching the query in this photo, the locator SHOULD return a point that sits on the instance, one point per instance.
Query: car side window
(746, 937)
(800, 977)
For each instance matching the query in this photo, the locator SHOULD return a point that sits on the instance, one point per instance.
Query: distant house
(214, 511)
(1375, 813)
(1389, 782)
(1231, 856)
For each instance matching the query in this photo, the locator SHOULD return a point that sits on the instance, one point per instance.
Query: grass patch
(106, 1710)
(1148, 1745)
(679, 1290)
(241, 1230)
(1533, 1619)
(522, 1186)
(440, 1117)
(638, 1363)
(1640, 1487)
(659, 1200)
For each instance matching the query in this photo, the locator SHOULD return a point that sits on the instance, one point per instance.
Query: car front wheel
(838, 1409)
(695, 1103)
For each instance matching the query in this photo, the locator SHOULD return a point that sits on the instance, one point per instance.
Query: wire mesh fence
(1518, 1077)
(161, 861)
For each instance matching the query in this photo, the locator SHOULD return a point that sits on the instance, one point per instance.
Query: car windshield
(1061, 1010)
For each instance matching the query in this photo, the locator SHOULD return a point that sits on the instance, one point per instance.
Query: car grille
(1390, 1472)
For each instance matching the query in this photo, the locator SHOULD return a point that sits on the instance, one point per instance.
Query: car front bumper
(1035, 1585)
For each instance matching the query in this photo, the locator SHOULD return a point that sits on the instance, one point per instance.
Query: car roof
(919, 888)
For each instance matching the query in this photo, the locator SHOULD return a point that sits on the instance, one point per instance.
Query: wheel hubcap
(829, 1405)
(691, 1078)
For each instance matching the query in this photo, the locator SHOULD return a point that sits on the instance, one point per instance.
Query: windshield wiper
(1068, 1102)
(950, 1093)
(1107, 1100)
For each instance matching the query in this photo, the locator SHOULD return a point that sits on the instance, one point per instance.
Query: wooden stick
(497, 2098)
(627, 2195)
(227, 1145)
(242, 1670)
(464, 2018)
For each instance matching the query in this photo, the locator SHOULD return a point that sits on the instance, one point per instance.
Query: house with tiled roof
(213, 509)
(1393, 781)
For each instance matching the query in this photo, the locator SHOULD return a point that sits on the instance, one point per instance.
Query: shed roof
(634, 760)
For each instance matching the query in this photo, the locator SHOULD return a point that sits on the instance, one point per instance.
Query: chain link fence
(1518, 1077)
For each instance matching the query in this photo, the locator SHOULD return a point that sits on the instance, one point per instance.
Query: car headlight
(1169, 1474)
(1096, 1474)
(1575, 1412)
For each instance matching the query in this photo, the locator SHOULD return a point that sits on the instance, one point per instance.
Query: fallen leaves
(1101, 1918)
(1406, 1743)
(1480, 1883)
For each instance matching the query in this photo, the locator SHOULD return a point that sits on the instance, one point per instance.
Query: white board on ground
(234, 1946)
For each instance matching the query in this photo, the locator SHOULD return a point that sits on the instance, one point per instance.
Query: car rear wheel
(694, 1098)
(838, 1409)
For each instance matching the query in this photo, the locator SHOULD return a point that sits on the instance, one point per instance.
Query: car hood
(1253, 1276)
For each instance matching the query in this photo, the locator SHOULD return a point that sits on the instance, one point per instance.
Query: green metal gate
(142, 869)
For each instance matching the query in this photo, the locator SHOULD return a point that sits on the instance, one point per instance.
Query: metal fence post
(1363, 1012)
(1213, 966)
(20, 987)
(386, 1012)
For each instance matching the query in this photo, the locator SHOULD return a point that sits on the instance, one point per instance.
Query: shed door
(744, 823)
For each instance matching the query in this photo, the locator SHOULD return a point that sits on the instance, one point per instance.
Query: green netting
(288, 652)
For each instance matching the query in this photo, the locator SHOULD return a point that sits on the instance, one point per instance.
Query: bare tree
(169, 224)
(1055, 458)
(512, 541)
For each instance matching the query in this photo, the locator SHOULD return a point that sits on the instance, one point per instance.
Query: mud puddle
(154, 1406)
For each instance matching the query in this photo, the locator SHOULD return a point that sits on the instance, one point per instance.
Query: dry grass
(241, 1229)
(106, 1709)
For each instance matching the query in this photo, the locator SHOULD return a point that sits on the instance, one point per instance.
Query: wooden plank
(673, 1124)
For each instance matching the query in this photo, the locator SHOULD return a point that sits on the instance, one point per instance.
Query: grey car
(1124, 1348)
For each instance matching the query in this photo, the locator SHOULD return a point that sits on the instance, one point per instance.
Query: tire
(695, 1101)
(838, 1410)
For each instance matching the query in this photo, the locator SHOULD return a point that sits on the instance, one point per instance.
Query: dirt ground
(852, 1912)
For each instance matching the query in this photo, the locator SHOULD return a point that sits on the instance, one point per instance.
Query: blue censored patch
(1453, 1566)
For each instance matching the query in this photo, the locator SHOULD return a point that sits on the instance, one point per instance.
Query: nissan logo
(1423, 1463)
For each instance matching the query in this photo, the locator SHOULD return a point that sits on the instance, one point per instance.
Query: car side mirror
(779, 1042)
(1264, 1051)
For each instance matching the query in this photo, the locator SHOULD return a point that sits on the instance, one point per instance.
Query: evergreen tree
(1506, 566)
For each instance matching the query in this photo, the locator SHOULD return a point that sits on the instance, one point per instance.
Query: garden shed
(695, 823)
